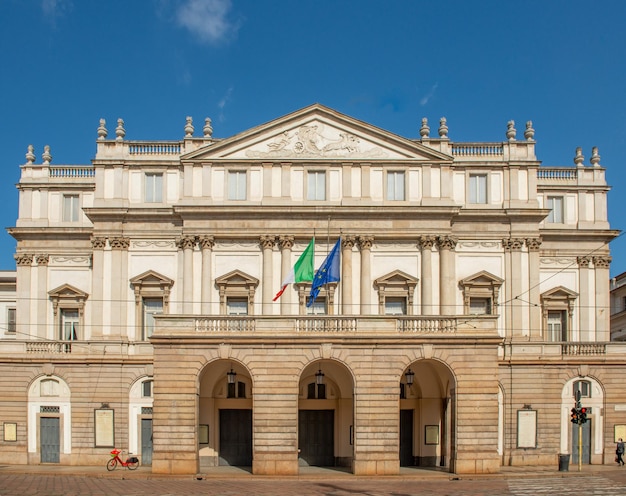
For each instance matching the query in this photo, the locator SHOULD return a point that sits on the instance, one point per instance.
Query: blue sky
(64, 64)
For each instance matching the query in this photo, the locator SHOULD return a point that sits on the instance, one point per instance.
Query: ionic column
(286, 244)
(23, 326)
(347, 243)
(267, 244)
(426, 244)
(41, 292)
(534, 311)
(513, 246)
(187, 244)
(601, 265)
(585, 300)
(97, 285)
(365, 244)
(206, 245)
(447, 282)
(119, 284)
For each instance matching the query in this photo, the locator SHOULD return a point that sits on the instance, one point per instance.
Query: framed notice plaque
(104, 428)
(527, 428)
(203, 434)
(619, 431)
(10, 431)
(431, 434)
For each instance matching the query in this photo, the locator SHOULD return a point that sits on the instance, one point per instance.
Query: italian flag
(301, 271)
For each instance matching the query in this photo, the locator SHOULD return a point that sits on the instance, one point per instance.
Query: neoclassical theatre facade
(472, 304)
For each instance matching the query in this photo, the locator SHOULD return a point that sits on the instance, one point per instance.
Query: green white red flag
(302, 270)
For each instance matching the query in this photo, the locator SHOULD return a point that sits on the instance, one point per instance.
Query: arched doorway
(140, 404)
(225, 415)
(427, 389)
(326, 415)
(588, 438)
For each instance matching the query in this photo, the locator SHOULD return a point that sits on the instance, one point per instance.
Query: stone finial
(510, 130)
(189, 127)
(102, 130)
(424, 130)
(30, 155)
(529, 133)
(207, 129)
(47, 158)
(443, 128)
(595, 157)
(120, 132)
(578, 159)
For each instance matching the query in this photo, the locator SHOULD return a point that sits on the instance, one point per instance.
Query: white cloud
(426, 98)
(207, 19)
(55, 9)
(223, 101)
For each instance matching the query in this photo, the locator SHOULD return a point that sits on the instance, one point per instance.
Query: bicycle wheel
(111, 464)
(132, 465)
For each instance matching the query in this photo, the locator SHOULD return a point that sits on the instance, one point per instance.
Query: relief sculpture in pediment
(310, 141)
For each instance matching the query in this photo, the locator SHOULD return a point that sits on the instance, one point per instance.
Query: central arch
(427, 396)
(326, 415)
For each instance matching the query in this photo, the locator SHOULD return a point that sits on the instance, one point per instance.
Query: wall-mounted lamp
(410, 375)
(231, 376)
(319, 377)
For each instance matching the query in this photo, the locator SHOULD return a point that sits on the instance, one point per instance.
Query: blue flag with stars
(328, 272)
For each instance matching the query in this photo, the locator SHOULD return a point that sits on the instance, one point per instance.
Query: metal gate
(586, 430)
(50, 439)
(316, 437)
(236, 438)
(146, 441)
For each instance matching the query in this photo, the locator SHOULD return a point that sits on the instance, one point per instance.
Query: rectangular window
(146, 389)
(480, 306)
(316, 185)
(151, 307)
(395, 306)
(395, 185)
(70, 208)
(555, 204)
(237, 188)
(154, 187)
(11, 322)
(318, 307)
(478, 188)
(237, 306)
(69, 325)
(556, 326)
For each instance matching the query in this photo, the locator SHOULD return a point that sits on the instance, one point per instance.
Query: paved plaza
(95, 481)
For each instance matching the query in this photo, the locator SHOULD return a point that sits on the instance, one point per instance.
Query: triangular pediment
(482, 278)
(236, 278)
(559, 293)
(151, 278)
(316, 133)
(396, 278)
(67, 291)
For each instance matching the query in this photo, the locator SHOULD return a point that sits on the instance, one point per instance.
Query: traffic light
(574, 417)
(582, 416)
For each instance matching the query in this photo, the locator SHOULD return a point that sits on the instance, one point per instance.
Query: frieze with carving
(313, 140)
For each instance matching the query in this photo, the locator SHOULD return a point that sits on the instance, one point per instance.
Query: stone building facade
(472, 303)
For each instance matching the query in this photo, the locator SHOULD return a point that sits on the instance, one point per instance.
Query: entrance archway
(427, 391)
(326, 415)
(225, 415)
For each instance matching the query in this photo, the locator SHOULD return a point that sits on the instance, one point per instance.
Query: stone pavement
(54, 480)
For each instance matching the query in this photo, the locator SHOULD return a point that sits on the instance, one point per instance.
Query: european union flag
(328, 272)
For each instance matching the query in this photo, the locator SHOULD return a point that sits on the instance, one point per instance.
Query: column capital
(512, 244)
(446, 242)
(286, 242)
(426, 242)
(120, 243)
(267, 242)
(42, 259)
(602, 262)
(187, 242)
(348, 242)
(98, 243)
(206, 242)
(533, 244)
(583, 262)
(366, 242)
(23, 259)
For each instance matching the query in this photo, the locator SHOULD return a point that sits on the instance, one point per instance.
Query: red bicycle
(131, 462)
